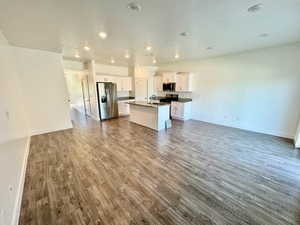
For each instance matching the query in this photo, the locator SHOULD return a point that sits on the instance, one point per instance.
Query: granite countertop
(146, 104)
(183, 100)
(125, 98)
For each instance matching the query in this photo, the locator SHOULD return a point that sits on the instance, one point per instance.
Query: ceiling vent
(134, 6)
(255, 8)
(183, 34)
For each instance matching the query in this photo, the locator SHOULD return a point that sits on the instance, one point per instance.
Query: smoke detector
(183, 34)
(134, 6)
(263, 35)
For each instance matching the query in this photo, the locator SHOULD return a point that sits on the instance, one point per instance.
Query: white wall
(111, 70)
(44, 88)
(13, 120)
(33, 100)
(14, 136)
(255, 90)
(73, 65)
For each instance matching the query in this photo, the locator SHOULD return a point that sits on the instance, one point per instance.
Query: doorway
(86, 95)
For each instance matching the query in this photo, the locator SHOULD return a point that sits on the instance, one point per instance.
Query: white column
(297, 137)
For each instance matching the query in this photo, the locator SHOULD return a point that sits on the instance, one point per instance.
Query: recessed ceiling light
(183, 34)
(87, 48)
(127, 56)
(77, 56)
(148, 47)
(176, 56)
(103, 35)
(264, 35)
(134, 6)
(209, 48)
(255, 7)
(112, 61)
(154, 61)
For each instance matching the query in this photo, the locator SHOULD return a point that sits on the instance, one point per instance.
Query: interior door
(141, 89)
(86, 95)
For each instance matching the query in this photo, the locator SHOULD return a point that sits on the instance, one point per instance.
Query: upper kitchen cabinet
(183, 82)
(126, 83)
(169, 77)
(123, 83)
(158, 83)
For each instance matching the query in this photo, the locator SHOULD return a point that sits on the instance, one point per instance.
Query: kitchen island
(152, 115)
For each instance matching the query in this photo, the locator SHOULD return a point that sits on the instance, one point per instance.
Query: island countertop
(146, 104)
(154, 116)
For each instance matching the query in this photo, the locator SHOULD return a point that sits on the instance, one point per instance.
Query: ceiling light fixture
(154, 61)
(134, 6)
(176, 56)
(127, 55)
(112, 61)
(148, 48)
(255, 8)
(102, 35)
(87, 48)
(77, 56)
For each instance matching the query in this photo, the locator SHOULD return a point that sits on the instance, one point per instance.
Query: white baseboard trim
(277, 134)
(37, 132)
(17, 207)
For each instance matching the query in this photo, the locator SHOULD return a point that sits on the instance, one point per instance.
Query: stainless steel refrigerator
(107, 100)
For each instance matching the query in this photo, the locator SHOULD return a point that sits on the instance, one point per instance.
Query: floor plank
(119, 173)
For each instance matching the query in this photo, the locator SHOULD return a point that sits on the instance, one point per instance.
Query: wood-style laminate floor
(119, 173)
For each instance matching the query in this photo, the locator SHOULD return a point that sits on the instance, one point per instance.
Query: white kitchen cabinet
(118, 81)
(184, 82)
(123, 108)
(169, 77)
(181, 110)
(126, 83)
(123, 83)
(158, 83)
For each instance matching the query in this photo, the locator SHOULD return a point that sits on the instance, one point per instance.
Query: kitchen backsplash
(123, 93)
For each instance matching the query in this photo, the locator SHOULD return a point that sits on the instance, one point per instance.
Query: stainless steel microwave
(169, 86)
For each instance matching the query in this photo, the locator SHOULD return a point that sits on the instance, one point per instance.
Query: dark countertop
(183, 100)
(146, 104)
(125, 98)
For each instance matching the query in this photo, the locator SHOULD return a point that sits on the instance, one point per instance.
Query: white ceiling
(66, 25)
